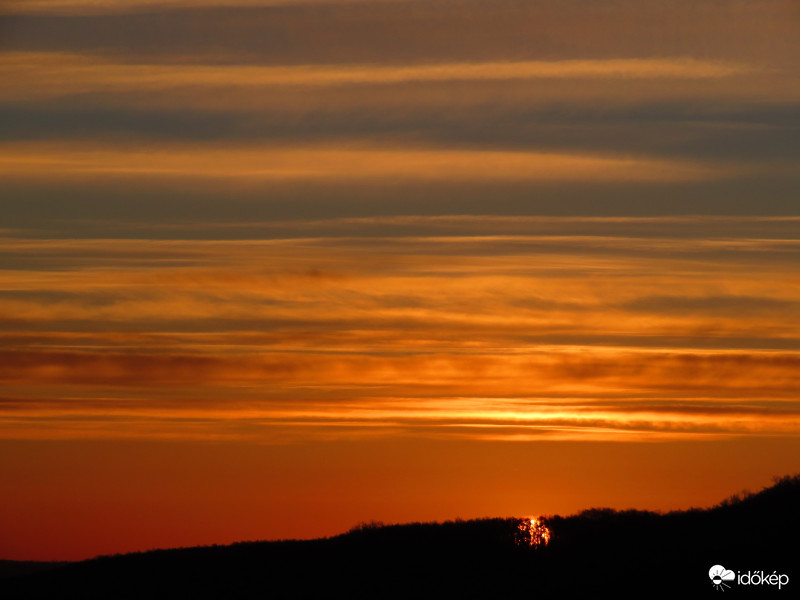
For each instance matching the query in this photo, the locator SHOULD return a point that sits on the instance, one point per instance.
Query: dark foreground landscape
(633, 553)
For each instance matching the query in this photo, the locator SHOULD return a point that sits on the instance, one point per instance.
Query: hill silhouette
(628, 553)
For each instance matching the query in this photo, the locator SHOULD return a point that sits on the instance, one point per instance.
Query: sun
(533, 532)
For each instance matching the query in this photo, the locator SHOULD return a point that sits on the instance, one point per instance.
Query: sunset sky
(269, 268)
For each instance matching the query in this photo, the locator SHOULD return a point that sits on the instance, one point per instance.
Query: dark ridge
(14, 568)
(628, 553)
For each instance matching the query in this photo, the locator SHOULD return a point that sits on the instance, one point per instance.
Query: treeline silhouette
(628, 553)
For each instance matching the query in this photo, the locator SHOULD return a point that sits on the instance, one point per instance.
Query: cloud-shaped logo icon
(719, 575)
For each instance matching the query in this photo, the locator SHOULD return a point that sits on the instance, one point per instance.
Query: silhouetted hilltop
(13, 568)
(745, 532)
(632, 553)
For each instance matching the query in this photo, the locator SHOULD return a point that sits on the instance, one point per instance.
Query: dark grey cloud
(101, 207)
(733, 132)
(423, 31)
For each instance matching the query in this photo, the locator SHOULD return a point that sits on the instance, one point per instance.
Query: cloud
(352, 161)
(565, 371)
(717, 305)
(54, 74)
(429, 31)
(476, 418)
(174, 274)
(99, 7)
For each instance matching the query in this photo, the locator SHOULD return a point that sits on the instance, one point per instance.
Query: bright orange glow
(548, 341)
(321, 348)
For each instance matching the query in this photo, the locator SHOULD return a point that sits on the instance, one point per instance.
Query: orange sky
(446, 260)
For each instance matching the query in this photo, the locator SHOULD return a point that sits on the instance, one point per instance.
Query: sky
(271, 268)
